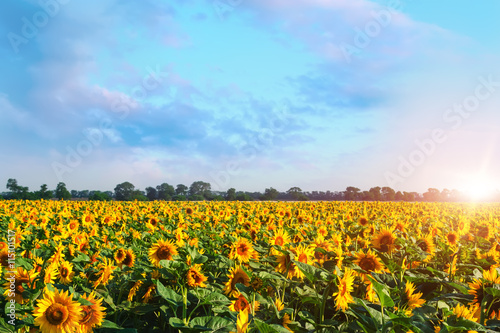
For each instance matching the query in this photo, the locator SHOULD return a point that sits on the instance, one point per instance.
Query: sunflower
(21, 276)
(242, 250)
(280, 238)
(195, 278)
(242, 322)
(162, 250)
(148, 294)
(426, 244)
(368, 262)
(279, 304)
(461, 311)
(57, 312)
(92, 315)
(343, 296)
(236, 275)
(413, 299)
(66, 273)
(286, 321)
(51, 273)
(129, 259)
(305, 255)
(286, 266)
(134, 290)
(452, 238)
(363, 221)
(240, 304)
(384, 241)
(119, 255)
(106, 271)
(483, 230)
(4, 258)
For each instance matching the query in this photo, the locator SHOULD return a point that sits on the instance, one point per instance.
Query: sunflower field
(83, 266)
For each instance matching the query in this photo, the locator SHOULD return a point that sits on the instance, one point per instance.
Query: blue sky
(320, 94)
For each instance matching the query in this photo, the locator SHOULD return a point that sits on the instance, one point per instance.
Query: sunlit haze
(251, 94)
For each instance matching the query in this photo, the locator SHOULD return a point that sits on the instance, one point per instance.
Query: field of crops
(72, 266)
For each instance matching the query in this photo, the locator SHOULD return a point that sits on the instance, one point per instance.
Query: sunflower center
(303, 258)
(367, 264)
(56, 314)
(423, 246)
(128, 260)
(86, 314)
(387, 240)
(64, 272)
(279, 241)
(242, 249)
(163, 253)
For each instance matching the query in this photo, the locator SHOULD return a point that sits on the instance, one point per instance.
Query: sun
(480, 189)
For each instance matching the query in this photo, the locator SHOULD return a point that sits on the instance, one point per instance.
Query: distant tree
(62, 192)
(74, 193)
(388, 193)
(243, 197)
(84, 194)
(432, 194)
(138, 195)
(151, 193)
(124, 191)
(270, 194)
(445, 195)
(179, 197)
(181, 189)
(17, 191)
(376, 194)
(99, 196)
(399, 196)
(352, 193)
(166, 191)
(368, 196)
(44, 193)
(231, 194)
(200, 188)
(295, 193)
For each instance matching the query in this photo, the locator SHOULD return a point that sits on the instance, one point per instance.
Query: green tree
(44, 193)
(231, 194)
(270, 194)
(17, 191)
(200, 188)
(151, 193)
(352, 193)
(375, 193)
(165, 191)
(388, 193)
(181, 189)
(62, 192)
(124, 191)
(138, 195)
(99, 196)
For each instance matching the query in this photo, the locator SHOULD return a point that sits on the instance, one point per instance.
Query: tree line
(200, 190)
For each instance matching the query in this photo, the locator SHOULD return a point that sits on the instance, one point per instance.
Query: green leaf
(176, 322)
(169, 295)
(81, 257)
(263, 327)
(382, 293)
(210, 323)
(109, 324)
